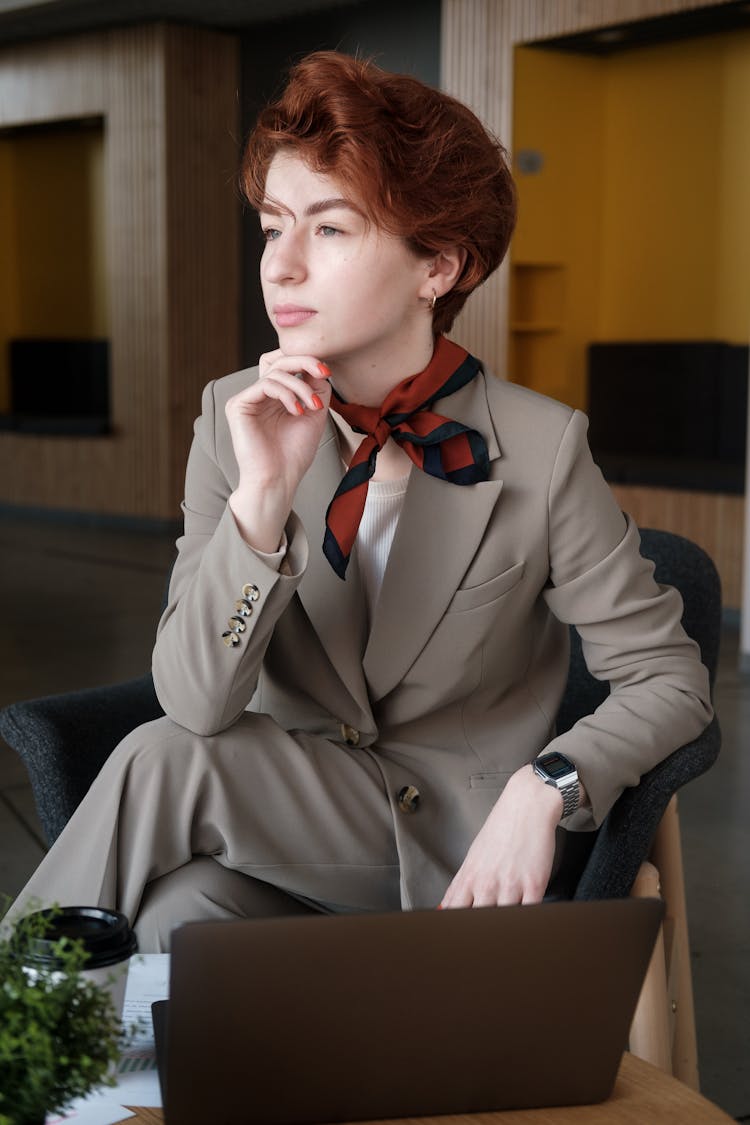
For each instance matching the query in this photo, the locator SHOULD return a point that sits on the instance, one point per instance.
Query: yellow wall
(53, 276)
(733, 272)
(662, 169)
(560, 214)
(642, 200)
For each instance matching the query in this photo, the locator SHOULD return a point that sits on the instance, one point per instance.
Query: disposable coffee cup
(107, 938)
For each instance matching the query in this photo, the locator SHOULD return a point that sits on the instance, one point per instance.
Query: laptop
(289, 1021)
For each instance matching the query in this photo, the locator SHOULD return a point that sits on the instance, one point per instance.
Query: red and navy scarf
(437, 445)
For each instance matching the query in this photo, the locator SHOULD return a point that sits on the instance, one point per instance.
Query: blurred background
(128, 279)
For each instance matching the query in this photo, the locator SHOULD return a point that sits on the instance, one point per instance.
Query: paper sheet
(97, 1109)
(137, 1078)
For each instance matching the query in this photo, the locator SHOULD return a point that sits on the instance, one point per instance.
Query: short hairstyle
(420, 163)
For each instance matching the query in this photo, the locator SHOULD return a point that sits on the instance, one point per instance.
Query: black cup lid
(106, 936)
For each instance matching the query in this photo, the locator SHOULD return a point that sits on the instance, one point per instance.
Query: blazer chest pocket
(473, 597)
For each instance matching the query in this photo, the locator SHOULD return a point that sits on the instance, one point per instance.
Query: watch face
(556, 765)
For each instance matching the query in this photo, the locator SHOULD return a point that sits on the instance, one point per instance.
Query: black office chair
(65, 739)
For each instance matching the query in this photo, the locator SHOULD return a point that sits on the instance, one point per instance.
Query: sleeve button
(230, 639)
(251, 592)
(408, 799)
(243, 607)
(350, 735)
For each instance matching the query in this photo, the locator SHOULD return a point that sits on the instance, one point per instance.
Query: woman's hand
(275, 425)
(510, 860)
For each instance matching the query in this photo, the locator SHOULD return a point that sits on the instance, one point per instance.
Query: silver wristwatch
(557, 770)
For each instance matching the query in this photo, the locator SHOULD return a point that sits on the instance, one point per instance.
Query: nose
(283, 259)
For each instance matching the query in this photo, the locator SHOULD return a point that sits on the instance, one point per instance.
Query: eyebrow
(270, 208)
(330, 205)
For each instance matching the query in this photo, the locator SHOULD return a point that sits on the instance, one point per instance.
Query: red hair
(420, 163)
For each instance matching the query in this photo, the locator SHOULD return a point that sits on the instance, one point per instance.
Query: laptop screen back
(324, 1019)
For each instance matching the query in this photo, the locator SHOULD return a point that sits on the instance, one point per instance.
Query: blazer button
(250, 591)
(408, 799)
(349, 735)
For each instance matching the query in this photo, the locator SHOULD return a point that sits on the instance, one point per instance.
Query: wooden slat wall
(169, 98)
(203, 224)
(714, 521)
(478, 38)
(135, 178)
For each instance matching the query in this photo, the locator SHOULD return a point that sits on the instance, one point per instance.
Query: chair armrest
(625, 837)
(64, 741)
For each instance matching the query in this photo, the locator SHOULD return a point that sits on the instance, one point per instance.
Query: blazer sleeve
(201, 682)
(630, 630)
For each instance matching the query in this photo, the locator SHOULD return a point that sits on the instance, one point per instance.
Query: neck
(368, 380)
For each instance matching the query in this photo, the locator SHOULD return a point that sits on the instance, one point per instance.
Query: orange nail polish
(299, 408)
(317, 402)
(324, 370)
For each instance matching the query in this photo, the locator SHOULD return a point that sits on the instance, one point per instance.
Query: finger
(307, 366)
(286, 388)
(532, 894)
(267, 359)
(458, 895)
(312, 393)
(487, 896)
(509, 893)
(287, 393)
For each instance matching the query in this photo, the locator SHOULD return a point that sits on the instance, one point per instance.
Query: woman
(370, 725)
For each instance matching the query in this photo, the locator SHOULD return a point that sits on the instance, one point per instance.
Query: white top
(383, 505)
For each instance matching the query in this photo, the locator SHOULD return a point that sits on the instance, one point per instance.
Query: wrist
(556, 772)
(526, 790)
(261, 517)
(549, 798)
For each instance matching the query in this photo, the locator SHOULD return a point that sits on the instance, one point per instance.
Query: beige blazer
(457, 680)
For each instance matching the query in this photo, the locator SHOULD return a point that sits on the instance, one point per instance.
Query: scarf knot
(437, 445)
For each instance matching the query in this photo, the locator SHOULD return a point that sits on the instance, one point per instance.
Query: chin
(298, 341)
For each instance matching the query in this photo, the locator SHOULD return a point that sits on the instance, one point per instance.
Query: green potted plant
(59, 1032)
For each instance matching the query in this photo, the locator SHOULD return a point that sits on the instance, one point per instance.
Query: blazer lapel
(439, 531)
(336, 609)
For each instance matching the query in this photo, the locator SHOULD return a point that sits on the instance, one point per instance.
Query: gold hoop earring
(433, 301)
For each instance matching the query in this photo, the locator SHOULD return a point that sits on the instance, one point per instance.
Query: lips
(289, 316)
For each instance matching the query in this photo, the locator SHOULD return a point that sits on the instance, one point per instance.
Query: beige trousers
(252, 821)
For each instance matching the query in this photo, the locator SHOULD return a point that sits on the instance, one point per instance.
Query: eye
(270, 234)
(328, 232)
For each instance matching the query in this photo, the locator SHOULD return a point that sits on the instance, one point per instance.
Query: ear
(443, 271)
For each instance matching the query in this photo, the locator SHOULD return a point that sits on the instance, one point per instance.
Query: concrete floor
(78, 606)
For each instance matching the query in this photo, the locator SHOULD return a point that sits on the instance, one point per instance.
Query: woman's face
(335, 286)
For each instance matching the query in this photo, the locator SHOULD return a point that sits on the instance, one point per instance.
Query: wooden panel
(714, 521)
(135, 178)
(203, 222)
(37, 84)
(477, 42)
(169, 99)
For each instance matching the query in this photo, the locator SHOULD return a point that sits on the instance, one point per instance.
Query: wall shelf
(537, 294)
(537, 325)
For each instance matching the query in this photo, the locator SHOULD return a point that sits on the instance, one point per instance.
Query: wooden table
(642, 1094)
